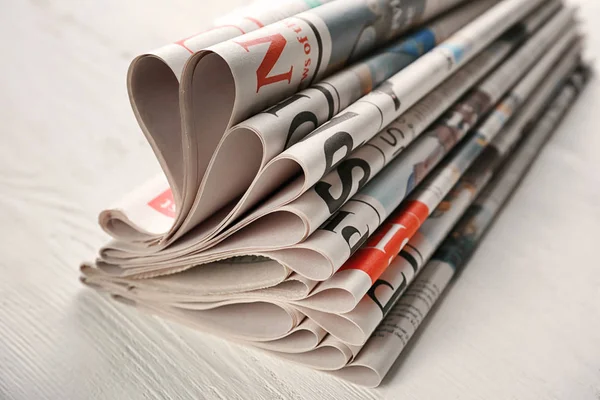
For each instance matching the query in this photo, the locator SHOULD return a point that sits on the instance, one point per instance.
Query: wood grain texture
(522, 321)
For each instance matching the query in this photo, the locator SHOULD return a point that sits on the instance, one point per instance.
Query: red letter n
(276, 45)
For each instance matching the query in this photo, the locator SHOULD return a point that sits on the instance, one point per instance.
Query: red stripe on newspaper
(164, 203)
(182, 41)
(257, 22)
(388, 240)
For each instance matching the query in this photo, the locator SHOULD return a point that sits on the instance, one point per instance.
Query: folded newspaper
(329, 165)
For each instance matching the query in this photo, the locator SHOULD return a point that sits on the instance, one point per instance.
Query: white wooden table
(522, 322)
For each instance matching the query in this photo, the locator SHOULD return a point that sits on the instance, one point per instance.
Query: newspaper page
(473, 29)
(390, 239)
(229, 81)
(348, 229)
(390, 338)
(337, 216)
(355, 326)
(290, 333)
(273, 273)
(367, 315)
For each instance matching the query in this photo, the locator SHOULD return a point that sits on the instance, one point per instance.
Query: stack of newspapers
(329, 166)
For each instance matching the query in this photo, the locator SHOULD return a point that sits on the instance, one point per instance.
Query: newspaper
(308, 109)
(362, 320)
(216, 285)
(331, 245)
(390, 338)
(223, 83)
(363, 119)
(237, 23)
(119, 256)
(157, 75)
(375, 256)
(306, 343)
(299, 208)
(364, 317)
